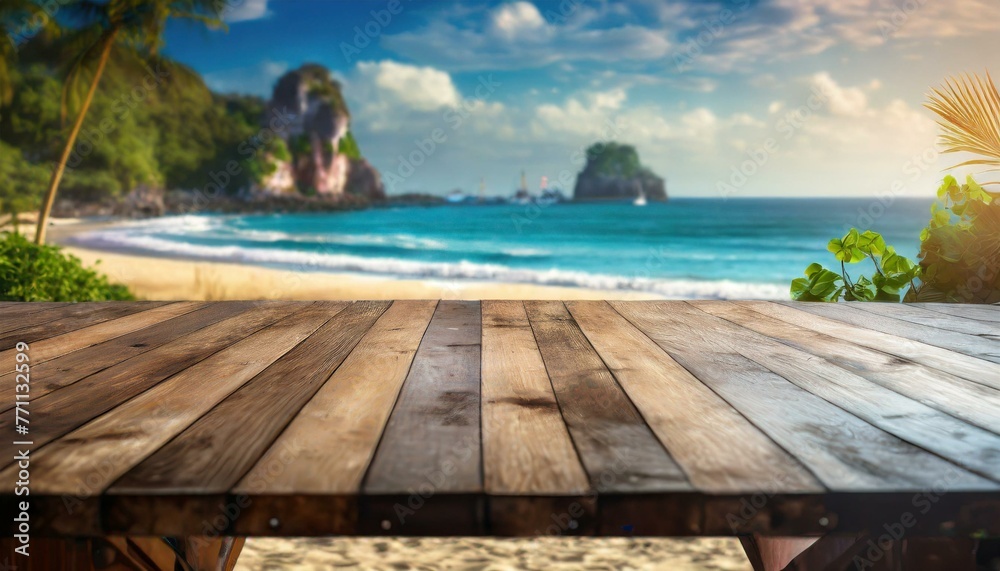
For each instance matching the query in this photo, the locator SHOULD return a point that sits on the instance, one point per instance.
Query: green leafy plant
(960, 248)
(893, 273)
(32, 272)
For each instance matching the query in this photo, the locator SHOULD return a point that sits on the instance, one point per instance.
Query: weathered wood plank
(216, 451)
(64, 371)
(952, 362)
(86, 461)
(60, 345)
(526, 446)
(347, 414)
(990, 313)
(25, 314)
(843, 451)
(719, 449)
(59, 412)
(13, 309)
(82, 464)
(932, 319)
(527, 449)
(617, 448)
(86, 314)
(959, 397)
(957, 441)
(350, 411)
(432, 441)
(59, 316)
(959, 344)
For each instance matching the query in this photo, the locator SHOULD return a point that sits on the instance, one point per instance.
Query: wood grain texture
(35, 313)
(841, 450)
(432, 441)
(331, 418)
(60, 345)
(435, 423)
(211, 455)
(526, 446)
(964, 399)
(16, 309)
(959, 344)
(61, 411)
(86, 461)
(807, 315)
(617, 448)
(953, 439)
(349, 412)
(928, 318)
(990, 313)
(81, 316)
(719, 449)
(64, 371)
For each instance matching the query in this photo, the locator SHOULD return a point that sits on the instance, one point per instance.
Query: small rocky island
(613, 172)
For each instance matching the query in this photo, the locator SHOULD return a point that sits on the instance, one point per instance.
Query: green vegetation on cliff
(159, 126)
(613, 159)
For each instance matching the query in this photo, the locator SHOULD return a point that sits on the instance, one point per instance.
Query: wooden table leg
(859, 553)
(118, 553)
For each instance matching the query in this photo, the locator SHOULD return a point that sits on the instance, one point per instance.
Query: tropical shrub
(29, 272)
(893, 273)
(960, 248)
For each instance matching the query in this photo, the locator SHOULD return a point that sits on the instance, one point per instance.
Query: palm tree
(134, 25)
(14, 16)
(969, 111)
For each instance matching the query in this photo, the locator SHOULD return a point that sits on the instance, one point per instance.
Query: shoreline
(198, 280)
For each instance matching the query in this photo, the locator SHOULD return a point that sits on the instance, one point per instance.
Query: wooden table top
(504, 417)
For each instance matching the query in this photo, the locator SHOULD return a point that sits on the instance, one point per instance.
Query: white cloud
(419, 88)
(245, 10)
(850, 101)
(520, 20)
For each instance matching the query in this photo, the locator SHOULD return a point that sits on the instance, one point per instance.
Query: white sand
(489, 554)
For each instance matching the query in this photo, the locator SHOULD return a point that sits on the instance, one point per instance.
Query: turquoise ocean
(685, 248)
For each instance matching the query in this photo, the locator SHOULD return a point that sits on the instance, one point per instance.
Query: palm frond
(969, 111)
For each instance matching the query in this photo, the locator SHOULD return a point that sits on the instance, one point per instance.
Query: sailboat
(641, 199)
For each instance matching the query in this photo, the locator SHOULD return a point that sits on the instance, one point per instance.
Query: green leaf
(871, 243)
(946, 186)
(941, 218)
(812, 269)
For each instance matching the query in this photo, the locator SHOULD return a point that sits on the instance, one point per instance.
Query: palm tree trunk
(57, 174)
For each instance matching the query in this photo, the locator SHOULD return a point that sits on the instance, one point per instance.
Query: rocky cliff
(613, 172)
(314, 123)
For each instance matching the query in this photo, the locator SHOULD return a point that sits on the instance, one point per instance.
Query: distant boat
(456, 197)
(641, 199)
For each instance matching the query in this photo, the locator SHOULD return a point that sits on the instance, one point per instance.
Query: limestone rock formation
(316, 130)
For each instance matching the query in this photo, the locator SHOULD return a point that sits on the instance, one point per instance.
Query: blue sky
(724, 98)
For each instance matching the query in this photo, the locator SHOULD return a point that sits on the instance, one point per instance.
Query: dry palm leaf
(969, 111)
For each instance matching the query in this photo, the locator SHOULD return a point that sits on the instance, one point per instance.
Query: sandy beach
(159, 278)
(491, 554)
